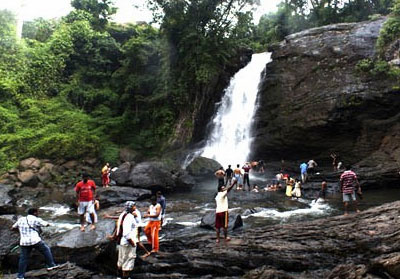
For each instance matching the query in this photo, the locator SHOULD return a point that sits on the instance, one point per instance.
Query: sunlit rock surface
(313, 102)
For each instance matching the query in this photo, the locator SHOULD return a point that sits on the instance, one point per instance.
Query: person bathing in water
(228, 175)
(246, 179)
(237, 174)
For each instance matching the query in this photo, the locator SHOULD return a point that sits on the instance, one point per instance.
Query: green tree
(101, 11)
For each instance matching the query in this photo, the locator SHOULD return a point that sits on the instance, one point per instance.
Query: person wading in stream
(153, 227)
(85, 192)
(349, 185)
(29, 229)
(221, 211)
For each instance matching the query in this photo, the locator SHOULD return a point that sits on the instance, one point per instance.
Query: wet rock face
(313, 101)
(153, 176)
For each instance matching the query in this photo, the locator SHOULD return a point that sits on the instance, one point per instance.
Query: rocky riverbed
(364, 245)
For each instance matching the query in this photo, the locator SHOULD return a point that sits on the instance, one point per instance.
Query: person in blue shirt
(303, 171)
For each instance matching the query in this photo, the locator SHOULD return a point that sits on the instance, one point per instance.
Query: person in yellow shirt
(105, 175)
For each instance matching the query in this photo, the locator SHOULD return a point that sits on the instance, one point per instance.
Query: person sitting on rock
(221, 211)
(255, 189)
(297, 189)
(29, 229)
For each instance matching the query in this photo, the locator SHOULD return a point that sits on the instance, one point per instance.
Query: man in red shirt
(85, 192)
(349, 185)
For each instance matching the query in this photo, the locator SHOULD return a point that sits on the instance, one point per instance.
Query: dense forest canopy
(85, 86)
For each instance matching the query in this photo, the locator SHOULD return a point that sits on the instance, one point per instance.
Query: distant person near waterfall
(349, 185)
(246, 179)
(228, 175)
(311, 166)
(220, 174)
(85, 192)
(237, 175)
(221, 211)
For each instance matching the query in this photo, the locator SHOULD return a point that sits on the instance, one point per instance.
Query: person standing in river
(221, 211)
(303, 172)
(246, 167)
(29, 229)
(228, 175)
(85, 192)
(220, 174)
(349, 185)
(153, 227)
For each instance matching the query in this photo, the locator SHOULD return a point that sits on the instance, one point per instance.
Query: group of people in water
(239, 177)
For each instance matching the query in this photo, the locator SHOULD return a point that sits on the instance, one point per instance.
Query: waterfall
(230, 140)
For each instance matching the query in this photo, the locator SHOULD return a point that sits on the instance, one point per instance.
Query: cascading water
(230, 140)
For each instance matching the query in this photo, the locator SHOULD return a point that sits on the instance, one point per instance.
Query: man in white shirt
(129, 239)
(29, 229)
(221, 212)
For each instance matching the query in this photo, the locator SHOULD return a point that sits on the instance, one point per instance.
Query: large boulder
(202, 166)
(121, 175)
(45, 172)
(28, 178)
(153, 176)
(9, 238)
(6, 201)
(314, 101)
(116, 195)
(30, 163)
(208, 221)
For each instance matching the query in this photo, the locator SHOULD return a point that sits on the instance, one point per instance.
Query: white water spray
(230, 140)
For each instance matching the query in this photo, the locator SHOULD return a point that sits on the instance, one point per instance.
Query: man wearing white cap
(129, 239)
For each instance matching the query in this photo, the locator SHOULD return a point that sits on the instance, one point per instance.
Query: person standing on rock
(105, 175)
(153, 227)
(85, 191)
(161, 200)
(349, 185)
(246, 177)
(237, 174)
(311, 166)
(29, 229)
(220, 174)
(129, 239)
(228, 175)
(221, 211)
(303, 172)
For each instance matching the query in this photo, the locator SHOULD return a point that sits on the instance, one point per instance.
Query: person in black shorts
(228, 175)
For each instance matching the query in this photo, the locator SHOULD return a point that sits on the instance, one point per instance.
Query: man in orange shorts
(221, 212)
(153, 227)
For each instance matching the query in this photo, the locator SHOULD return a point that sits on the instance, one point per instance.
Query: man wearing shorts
(85, 192)
(221, 212)
(129, 239)
(349, 185)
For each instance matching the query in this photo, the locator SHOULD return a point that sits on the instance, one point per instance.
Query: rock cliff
(313, 101)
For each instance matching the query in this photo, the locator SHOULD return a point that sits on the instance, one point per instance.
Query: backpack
(117, 234)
